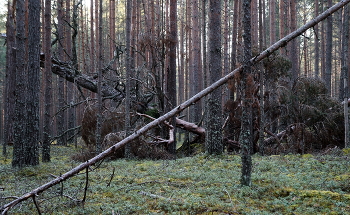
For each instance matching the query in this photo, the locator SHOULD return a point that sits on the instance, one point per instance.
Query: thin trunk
(272, 22)
(345, 70)
(99, 83)
(255, 23)
(294, 45)
(234, 34)
(171, 87)
(317, 44)
(328, 60)
(195, 86)
(127, 74)
(10, 78)
(46, 157)
(246, 135)
(61, 82)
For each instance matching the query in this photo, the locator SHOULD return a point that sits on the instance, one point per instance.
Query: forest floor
(282, 184)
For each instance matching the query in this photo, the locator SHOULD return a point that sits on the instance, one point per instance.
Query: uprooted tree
(90, 83)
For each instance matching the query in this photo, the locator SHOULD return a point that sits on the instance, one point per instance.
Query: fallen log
(65, 71)
(176, 110)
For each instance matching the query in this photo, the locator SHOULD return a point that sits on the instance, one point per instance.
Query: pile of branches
(309, 120)
(113, 131)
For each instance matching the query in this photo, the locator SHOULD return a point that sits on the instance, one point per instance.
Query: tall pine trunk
(246, 135)
(329, 43)
(48, 84)
(214, 143)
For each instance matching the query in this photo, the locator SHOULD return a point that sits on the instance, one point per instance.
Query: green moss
(346, 151)
(202, 184)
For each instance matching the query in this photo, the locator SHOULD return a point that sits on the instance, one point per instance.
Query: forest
(165, 80)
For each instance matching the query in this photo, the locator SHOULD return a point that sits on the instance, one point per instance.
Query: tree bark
(246, 135)
(48, 84)
(329, 42)
(213, 143)
(10, 77)
(171, 76)
(294, 45)
(317, 43)
(60, 118)
(20, 115)
(345, 70)
(272, 21)
(99, 82)
(128, 68)
(32, 104)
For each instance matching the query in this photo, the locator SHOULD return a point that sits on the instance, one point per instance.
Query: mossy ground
(289, 184)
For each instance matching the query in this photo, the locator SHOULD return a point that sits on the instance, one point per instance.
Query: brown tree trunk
(214, 143)
(60, 117)
(294, 45)
(127, 74)
(328, 59)
(99, 81)
(317, 43)
(10, 84)
(33, 90)
(254, 23)
(234, 34)
(272, 10)
(195, 72)
(46, 157)
(20, 115)
(171, 83)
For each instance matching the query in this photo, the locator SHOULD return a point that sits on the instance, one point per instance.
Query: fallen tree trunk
(191, 127)
(70, 74)
(173, 112)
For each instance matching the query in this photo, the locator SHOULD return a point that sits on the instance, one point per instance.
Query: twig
(61, 190)
(36, 205)
(86, 184)
(112, 176)
(231, 201)
(9, 197)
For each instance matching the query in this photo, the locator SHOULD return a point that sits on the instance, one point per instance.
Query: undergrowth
(288, 184)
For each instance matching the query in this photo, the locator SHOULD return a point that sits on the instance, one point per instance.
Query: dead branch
(86, 183)
(36, 205)
(152, 118)
(112, 176)
(170, 114)
(63, 70)
(188, 126)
